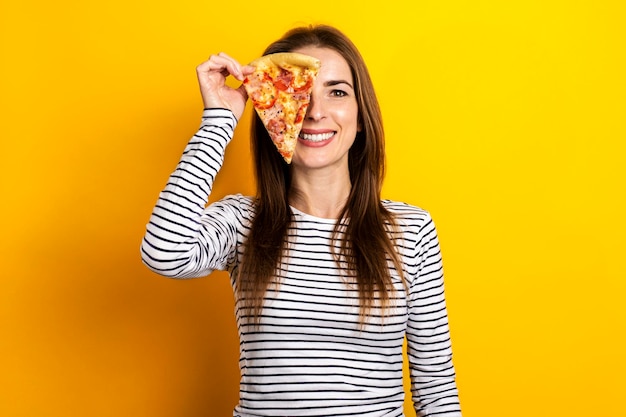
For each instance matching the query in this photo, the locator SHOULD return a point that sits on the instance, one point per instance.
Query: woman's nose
(314, 111)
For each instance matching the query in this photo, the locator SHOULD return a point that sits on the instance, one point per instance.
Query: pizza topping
(303, 84)
(283, 80)
(301, 113)
(280, 91)
(276, 126)
(263, 92)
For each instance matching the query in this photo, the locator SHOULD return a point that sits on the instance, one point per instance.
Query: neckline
(310, 216)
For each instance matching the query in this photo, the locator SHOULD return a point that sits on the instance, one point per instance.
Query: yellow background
(505, 119)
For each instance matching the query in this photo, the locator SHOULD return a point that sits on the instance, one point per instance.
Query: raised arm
(183, 239)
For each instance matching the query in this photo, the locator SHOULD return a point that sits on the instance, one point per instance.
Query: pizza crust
(286, 59)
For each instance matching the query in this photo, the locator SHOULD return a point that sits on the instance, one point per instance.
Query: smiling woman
(504, 118)
(328, 278)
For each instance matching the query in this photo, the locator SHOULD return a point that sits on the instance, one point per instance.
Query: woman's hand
(212, 76)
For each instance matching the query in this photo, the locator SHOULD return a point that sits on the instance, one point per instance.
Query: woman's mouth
(316, 137)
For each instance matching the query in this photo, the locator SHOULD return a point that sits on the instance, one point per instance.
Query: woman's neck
(322, 195)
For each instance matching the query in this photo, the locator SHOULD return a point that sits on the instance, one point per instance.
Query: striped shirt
(310, 356)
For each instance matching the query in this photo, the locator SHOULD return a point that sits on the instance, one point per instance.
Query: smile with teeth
(317, 137)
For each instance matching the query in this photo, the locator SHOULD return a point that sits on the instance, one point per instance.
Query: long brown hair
(367, 245)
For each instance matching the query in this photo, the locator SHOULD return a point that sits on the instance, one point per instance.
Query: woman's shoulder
(402, 210)
(410, 218)
(414, 223)
(241, 206)
(237, 200)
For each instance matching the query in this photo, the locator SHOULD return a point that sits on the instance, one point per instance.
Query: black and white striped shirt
(310, 356)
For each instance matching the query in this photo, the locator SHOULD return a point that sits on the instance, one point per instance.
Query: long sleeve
(183, 238)
(433, 383)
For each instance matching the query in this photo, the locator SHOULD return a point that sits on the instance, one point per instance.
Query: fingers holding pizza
(212, 76)
(278, 85)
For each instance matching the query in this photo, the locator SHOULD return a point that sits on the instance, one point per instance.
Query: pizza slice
(280, 91)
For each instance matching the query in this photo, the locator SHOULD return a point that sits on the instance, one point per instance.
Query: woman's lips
(316, 138)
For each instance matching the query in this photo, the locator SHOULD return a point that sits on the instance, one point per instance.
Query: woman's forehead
(334, 66)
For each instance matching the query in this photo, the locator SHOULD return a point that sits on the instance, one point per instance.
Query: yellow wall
(505, 119)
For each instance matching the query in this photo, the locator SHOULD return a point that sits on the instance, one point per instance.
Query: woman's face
(331, 121)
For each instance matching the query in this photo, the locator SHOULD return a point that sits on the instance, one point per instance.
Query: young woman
(328, 278)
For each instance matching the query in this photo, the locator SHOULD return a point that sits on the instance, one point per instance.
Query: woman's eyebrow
(337, 82)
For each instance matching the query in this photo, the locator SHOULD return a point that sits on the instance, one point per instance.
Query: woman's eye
(338, 93)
